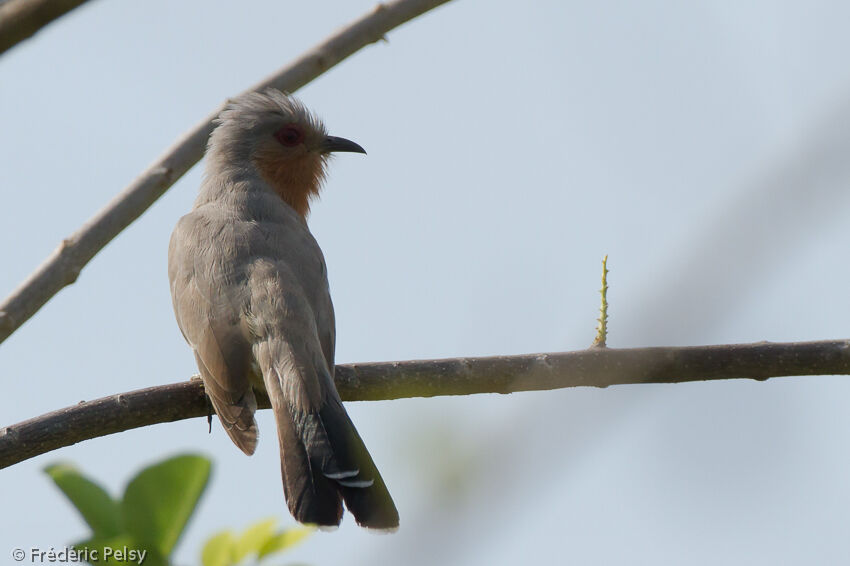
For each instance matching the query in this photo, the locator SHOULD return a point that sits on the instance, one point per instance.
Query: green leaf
(219, 550)
(159, 501)
(99, 510)
(253, 539)
(284, 540)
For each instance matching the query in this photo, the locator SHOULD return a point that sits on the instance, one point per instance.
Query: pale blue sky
(703, 146)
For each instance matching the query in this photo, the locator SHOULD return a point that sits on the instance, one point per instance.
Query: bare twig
(20, 19)
(601, 339)
(63, 266)
(595, 367)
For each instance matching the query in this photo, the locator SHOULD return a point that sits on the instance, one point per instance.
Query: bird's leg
(197, 377)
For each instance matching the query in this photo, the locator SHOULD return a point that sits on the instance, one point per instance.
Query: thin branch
(63, 266)
(601, 340)
(595, 367)
(20, 19)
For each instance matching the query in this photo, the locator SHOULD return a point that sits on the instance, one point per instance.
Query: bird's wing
(325, 321)
(293, 261)
(206, 303)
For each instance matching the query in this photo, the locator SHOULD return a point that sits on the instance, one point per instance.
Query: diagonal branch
(63, 266)
(595, 367)
(20, 19)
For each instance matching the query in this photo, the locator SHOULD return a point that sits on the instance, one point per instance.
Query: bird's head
(280, 139)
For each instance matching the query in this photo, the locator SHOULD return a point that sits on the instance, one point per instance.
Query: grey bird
(250, 291)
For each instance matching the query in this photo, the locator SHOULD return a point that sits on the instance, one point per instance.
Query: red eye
(289, 136)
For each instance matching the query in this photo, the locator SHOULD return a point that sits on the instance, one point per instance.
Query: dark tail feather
(323, 461)
(365, 492)
(312, 497)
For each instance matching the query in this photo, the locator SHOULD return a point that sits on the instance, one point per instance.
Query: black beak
(333, 143)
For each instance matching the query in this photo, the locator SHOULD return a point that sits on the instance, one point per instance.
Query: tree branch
(63, 266)
(20, 19)
(595, 367)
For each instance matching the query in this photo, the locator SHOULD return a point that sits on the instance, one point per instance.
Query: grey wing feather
(216, 335)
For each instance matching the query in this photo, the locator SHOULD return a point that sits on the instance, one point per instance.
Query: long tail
(360, 484)
(324, 462)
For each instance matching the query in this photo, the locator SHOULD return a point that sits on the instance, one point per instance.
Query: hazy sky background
(704, 146)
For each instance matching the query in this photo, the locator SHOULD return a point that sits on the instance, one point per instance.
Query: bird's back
(229, 254)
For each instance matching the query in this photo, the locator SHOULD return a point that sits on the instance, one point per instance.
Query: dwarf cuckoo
(250, 292)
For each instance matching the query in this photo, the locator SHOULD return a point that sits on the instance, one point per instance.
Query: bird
(249, 288)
